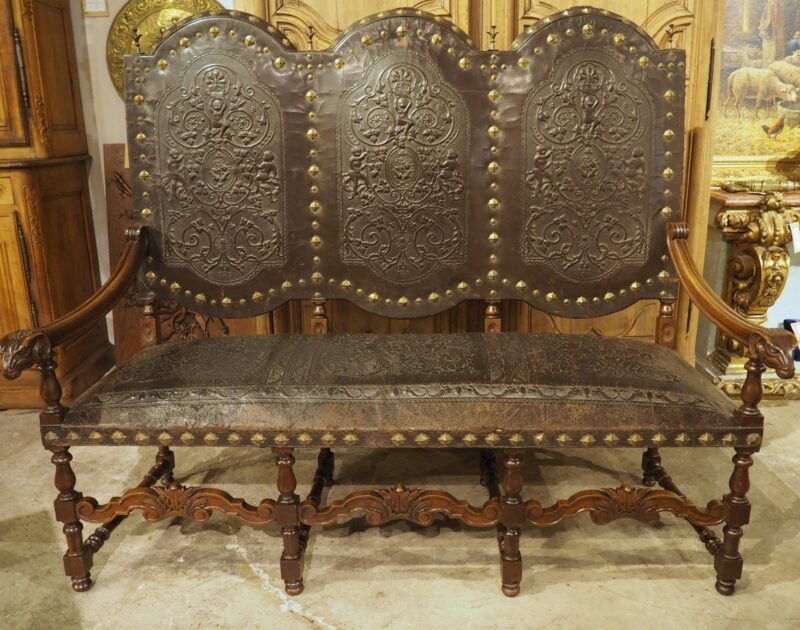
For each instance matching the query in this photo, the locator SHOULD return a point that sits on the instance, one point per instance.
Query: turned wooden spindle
(651, 465)
(165, 464)
(78, 557)
(286, 513)
(728, 561)
(492, 322)
(512, 517)
(319, 318)
(50, 392)
(752, 392)
(666, 324)
(149, 327)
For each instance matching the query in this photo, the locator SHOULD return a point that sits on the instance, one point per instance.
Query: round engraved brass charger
(146, 20)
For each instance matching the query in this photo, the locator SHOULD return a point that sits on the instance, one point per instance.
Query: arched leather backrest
(405, 170)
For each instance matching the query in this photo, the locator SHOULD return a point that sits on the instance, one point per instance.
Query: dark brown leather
(377, 386)
(405, 170)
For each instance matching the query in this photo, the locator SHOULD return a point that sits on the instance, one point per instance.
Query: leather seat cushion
(374, 386)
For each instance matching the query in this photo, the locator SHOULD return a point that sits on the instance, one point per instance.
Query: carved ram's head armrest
(23, 349)
(775, 347)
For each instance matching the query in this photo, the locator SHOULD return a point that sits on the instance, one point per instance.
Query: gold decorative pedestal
(758, 227)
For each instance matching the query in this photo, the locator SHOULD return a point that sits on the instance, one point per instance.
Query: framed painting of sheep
(757, 124)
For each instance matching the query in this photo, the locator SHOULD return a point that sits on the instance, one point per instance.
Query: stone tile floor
(221, 575)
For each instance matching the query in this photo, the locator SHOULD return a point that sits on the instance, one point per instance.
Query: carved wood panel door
(688, 24)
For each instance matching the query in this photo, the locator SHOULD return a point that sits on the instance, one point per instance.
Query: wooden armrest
(772, 346)
(23, 349)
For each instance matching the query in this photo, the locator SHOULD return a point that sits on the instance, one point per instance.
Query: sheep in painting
(761, 84)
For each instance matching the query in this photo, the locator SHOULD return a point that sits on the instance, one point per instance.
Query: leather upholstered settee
(406, 171)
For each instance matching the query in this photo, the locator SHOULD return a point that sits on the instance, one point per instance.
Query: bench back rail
(405, 170)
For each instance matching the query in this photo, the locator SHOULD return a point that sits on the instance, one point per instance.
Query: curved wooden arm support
(772, 346)
(23, 349)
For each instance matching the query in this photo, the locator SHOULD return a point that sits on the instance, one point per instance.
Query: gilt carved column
(757, 225)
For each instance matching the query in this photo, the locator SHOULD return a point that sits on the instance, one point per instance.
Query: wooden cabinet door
(13, 130)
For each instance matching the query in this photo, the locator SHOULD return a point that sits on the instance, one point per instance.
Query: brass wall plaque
(139, 25)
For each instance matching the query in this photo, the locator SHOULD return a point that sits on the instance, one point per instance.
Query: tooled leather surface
(588, 164)
(404, 169)
(274, 372)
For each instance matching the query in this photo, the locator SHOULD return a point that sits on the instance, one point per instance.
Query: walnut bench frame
(216, 70)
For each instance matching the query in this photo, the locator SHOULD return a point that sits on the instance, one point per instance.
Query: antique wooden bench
(405, 171)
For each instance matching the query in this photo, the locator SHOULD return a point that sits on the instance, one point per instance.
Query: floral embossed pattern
(402, 192)
(586, 175)
(399, 355)
(221, 184)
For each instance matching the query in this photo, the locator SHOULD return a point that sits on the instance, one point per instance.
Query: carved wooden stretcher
(405, 171)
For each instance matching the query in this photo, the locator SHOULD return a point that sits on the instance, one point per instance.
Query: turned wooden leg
(512, 518)
(728, 561)
(651, 464)
(78, 557)
(166, 460)
(286, 513)
(326, 463)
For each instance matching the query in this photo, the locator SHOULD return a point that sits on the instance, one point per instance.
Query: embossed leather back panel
(403, 169)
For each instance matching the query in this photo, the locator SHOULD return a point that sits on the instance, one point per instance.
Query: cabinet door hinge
(23, 79)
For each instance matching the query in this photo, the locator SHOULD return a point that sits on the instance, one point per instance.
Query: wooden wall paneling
(13, 128)
(330, 18)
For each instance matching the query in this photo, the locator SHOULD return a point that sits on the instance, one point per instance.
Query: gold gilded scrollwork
(139, 25)
(757, 270)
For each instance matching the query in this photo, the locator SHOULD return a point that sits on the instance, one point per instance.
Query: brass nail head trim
(328, 439)
(281, 439)
(258, 439)
(588, 440)
(350, 439)
(682, 439)
(635, 439)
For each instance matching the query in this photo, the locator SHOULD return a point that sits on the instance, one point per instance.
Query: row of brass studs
(400, 439)
(493, 167)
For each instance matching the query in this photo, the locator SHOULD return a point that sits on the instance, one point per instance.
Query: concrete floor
(222, 575)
